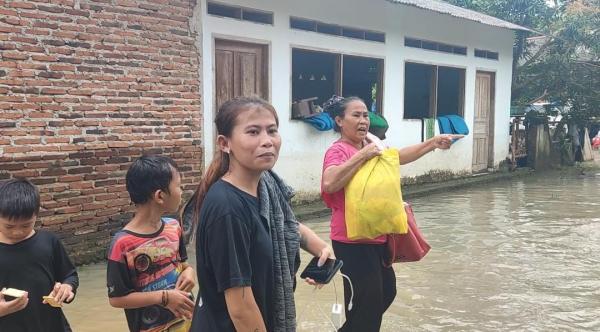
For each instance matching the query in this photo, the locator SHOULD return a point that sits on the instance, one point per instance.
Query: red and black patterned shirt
(146, 263)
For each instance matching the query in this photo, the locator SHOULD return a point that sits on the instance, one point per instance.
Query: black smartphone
(321, 274)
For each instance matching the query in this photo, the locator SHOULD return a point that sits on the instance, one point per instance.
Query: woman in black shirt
(238, 262)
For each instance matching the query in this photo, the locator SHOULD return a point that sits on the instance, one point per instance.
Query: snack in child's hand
(51, 301)
(13, 292)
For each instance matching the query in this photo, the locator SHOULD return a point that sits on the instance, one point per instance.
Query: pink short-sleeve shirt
(338, 153)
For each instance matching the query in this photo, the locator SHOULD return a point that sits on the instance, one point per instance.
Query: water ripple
(510, 256)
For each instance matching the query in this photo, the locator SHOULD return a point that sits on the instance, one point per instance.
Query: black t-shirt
(34, 265)
(233, 249)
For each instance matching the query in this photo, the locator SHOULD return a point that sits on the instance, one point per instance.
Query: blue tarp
(452, 124)
(445, 126)
(458, 125)
(321, 121)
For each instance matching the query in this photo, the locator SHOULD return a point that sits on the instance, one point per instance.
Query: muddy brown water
(516, 255)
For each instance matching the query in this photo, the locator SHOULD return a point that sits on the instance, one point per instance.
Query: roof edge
(462, 13)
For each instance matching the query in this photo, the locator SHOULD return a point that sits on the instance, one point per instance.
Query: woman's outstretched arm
(411, 153)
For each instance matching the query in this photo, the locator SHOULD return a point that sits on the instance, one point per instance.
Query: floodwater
(516, 255)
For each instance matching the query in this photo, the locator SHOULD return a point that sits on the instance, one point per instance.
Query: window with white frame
(318, 75)
(431, 91)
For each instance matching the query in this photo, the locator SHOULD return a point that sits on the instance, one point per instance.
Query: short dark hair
(19, 199)
(336, 106)
(147, 175)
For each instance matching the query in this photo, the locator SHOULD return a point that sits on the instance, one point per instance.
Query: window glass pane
(429, 45)
(336, 30)
(460, 50)
(303, 24)
(360, 78)
(445, 48)
(313, 75)
(224, 10)
(353, 33)
(450, 89)
(479, 53)
(375, 36)
(492, 55)
(257, 16)
(329, 29)
(410, 42)
(417, 90)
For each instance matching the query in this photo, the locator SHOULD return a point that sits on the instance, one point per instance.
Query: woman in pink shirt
(373, 285)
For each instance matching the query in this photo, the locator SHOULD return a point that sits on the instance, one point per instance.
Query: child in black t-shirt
(147, 274)
(32, 261)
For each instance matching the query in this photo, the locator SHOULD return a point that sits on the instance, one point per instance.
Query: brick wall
(85, 88)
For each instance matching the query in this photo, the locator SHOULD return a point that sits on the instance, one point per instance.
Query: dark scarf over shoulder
(274, 196)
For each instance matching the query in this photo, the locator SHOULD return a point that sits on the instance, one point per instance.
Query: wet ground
(516, 255)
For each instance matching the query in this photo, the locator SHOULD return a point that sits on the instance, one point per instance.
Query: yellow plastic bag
(374, 203)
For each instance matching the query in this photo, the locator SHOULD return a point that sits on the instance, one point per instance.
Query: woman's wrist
(430, 145)
(362, 156)
(322, 245)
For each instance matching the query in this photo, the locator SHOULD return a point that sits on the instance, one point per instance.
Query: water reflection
(516, 255)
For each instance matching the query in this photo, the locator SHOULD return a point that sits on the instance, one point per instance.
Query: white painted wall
(303, 147)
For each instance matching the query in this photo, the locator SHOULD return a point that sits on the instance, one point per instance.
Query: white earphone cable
(351, 291)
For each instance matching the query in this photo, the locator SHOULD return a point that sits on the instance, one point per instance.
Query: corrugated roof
(471, 15)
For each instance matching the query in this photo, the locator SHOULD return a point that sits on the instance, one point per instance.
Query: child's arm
(9, 307)
(66, 276)
(186, 281)
(136, 300)
(175, 300)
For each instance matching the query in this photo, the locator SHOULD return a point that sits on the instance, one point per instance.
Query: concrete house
(412, 59)
(87, 86)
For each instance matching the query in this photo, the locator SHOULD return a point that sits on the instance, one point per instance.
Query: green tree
(561, 63)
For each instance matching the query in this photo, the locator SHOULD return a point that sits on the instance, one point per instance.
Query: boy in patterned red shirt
(147, 274)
